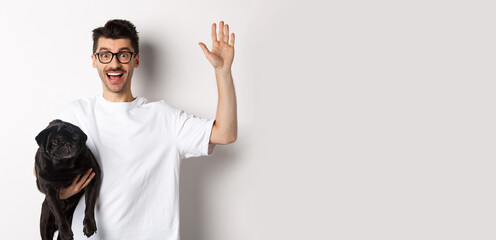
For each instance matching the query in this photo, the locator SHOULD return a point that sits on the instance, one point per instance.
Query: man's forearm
(225, 129)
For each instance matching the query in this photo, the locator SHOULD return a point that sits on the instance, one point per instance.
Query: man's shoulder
(80, 104)
(161, 105)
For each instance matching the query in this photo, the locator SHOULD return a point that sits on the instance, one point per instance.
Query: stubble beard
(115, 89)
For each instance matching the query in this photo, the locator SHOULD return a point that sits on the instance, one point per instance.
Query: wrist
(223, 71)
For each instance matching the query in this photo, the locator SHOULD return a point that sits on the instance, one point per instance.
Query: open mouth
(114, 77)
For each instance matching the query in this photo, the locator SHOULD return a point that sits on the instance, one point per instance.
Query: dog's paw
(89, 226)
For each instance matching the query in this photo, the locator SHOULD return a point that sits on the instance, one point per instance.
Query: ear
(81, 134)
(42, 138)
(93, 59)
(136, 63)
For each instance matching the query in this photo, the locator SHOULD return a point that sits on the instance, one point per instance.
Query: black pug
(61, 156)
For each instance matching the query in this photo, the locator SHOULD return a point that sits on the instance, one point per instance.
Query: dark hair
(116, 29)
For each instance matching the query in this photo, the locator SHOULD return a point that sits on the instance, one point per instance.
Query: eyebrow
(106, 49)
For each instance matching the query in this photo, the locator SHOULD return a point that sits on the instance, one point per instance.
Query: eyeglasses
(107, 56)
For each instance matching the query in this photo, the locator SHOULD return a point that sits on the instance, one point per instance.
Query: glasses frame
(97, 54)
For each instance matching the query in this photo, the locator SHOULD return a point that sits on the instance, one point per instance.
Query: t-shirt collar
(138, 101)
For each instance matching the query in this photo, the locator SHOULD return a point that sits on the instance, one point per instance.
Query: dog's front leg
(90, 196)
(52, 197)
(47, 222)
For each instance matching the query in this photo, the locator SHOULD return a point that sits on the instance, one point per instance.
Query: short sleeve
(193, 135)
(67, 114)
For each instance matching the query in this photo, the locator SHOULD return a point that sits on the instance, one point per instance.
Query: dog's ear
(81, 134)
(43, 136)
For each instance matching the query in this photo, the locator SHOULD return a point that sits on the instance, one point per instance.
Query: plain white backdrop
(357, 119)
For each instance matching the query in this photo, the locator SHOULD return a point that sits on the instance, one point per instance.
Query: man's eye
(123, 55)
(105, 55)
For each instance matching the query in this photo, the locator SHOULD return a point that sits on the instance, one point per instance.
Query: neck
(118, 97)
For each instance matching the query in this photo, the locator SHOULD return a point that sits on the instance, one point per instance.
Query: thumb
(204, 48)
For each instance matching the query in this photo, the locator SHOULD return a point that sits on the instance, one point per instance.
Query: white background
(357, 119)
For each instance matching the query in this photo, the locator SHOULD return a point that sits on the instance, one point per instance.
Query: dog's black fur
(61, 156)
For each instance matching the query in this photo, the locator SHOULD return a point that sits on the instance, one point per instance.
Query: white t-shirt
(139, 146)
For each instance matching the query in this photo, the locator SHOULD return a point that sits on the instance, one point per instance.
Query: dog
(63, 155)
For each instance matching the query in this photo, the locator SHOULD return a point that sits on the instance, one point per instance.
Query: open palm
(222, 54)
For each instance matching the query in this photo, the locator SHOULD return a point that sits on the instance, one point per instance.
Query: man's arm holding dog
(77, 185)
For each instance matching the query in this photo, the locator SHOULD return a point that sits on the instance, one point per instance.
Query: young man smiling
(140, 144)
(116, 75)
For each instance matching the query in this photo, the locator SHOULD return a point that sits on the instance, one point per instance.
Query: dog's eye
(55, 141)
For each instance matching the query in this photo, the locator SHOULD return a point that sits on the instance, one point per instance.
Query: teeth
(114, 74)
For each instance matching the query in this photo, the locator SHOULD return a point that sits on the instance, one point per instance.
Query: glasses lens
(105, 57)
(124, 57)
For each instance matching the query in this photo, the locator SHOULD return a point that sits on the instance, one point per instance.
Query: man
(140, 144)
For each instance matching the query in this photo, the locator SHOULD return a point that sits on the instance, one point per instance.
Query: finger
(83, 180)
(204, 48)
(76, 179)
(88, 180)
(232, 39)
(226, 33)
(221, 31)
(214, 33)
(84, 177)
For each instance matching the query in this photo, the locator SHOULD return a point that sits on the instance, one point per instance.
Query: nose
(114, 63)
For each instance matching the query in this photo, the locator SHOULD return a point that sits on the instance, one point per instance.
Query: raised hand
(222, 54)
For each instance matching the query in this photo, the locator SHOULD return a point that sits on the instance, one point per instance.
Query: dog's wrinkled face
(62, 142)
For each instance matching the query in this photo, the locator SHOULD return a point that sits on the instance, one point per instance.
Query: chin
(116, 88)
